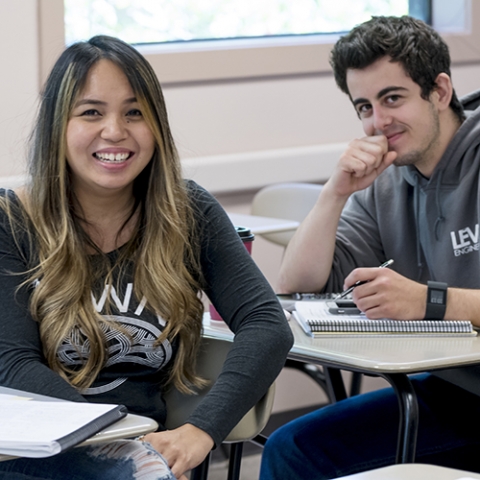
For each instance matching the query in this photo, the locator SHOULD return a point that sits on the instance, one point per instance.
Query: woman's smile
(108, 140)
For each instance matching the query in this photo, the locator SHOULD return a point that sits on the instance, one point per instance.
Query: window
(146, 21)
(186, 62)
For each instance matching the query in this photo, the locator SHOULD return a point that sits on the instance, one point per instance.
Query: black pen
(350, 290)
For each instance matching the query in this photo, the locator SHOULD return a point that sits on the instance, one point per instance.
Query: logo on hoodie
(465, 241)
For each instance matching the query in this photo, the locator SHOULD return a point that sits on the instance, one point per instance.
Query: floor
(252, 455)
(249, 471)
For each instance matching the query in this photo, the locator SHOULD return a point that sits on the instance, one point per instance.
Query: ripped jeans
(118, 460)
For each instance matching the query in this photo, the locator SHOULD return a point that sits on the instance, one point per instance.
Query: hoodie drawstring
(416, 207)
(440, 217)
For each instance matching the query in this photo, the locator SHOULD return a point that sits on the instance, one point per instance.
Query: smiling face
(389, 103)
(108, 141)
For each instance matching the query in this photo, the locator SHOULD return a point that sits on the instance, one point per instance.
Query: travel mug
(247, 238)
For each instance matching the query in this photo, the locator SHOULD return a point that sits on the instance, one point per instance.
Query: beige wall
(209, 118)
(18, 81)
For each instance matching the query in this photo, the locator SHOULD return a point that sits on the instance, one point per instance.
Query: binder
(31, 428)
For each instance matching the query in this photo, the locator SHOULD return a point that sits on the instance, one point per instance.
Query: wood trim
(220, 61)
(51, 41)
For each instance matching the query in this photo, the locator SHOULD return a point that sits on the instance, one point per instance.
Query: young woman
(102, 258)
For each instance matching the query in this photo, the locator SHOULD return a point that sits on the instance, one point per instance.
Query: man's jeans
(360, 433)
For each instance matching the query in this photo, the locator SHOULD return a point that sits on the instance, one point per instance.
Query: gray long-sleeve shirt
(134, 372)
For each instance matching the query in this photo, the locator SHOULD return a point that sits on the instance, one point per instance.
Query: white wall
(259, 115)
(18, 81)
(280, 113)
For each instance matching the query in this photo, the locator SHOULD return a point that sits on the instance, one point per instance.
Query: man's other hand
(361, 163)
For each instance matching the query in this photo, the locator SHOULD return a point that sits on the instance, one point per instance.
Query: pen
(350, 290)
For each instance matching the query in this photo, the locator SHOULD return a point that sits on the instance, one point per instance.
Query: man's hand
(183, 448)
(361, 163)
(387, 294)
(307, 262)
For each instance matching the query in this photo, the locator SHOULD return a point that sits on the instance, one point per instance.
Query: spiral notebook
(316, 320)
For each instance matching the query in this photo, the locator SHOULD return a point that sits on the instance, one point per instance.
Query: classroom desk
(390, 357)
(130, 426)
(259, 225)
(413, 471)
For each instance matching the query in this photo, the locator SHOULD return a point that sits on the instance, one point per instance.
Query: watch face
(437, 296)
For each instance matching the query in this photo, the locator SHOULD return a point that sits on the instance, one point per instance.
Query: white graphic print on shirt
(133, 343)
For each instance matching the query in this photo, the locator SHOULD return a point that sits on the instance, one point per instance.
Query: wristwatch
(436, 300)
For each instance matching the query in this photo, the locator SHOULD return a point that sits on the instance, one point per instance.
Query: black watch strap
(436, 301)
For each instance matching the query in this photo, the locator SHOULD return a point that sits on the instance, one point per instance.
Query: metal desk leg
(335, 385)
(355, 384)
(408, 427)
(235, 461)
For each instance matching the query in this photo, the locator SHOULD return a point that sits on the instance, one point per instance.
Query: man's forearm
(384, 293)
(308, 258)
(463, 304)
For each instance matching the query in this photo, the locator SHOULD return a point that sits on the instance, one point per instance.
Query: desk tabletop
(259, 225)
(413, 471)
(387, 353)
(373, 354)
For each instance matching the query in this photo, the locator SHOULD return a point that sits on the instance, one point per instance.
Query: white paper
(34, 424)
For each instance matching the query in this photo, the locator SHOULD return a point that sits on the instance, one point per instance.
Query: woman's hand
(183, 448)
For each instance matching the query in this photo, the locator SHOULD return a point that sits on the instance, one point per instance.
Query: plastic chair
(293, 201)
(210, 360)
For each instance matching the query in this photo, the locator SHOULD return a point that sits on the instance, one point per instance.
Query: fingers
(360, 164)
(183, 448)
(365, 155)
(360, 275)
(387, 294)
(388, 160)
(374, 296)
(179, 461)
(176, 462)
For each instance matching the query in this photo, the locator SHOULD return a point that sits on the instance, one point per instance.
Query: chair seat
(210, 360)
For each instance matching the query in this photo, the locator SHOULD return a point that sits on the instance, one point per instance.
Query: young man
(422, 212)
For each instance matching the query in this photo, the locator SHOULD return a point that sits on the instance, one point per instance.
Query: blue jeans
(360, 433)
(119, 460)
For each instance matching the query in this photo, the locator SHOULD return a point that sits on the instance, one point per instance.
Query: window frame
(237, 59)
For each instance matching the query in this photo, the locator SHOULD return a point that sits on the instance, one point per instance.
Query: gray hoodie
(382, 221)
(430, 227)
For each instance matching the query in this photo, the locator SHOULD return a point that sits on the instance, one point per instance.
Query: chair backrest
(291, 201)
(210, 360)
(13, 181)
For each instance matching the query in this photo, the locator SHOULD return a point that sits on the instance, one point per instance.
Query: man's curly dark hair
(409, 41)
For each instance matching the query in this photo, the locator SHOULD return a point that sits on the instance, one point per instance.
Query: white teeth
(112, 157)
